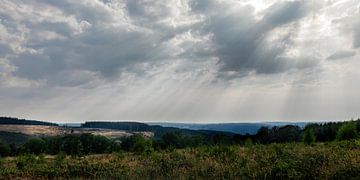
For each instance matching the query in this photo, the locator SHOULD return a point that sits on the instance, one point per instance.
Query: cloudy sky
(180, 60)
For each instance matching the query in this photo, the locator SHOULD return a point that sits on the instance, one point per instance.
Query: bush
(72, 145)
(248, 142)
(4, 149)
(24, 161)
(35, 146)
(60, 159)
(53, 145)
(347, 131)
(94, 144)
(142, 145)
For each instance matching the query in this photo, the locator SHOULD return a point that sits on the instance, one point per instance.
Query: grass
(335, 160)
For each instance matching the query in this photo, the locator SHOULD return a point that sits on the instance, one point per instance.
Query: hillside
(21, 133)
(237, 128)
(11, 120)
(158, 130)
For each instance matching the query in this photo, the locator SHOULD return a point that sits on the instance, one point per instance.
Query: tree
(72, 145)
(309, 136)
(99, 144)
(142, 145)
(53, 145)
(347, 131)
(4, 149)
(35, 146)
(137, 144)
(263, 135)
(172, 139)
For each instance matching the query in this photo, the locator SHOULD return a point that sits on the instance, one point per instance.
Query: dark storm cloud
(240, 39)
(104, 47)
(102, 38)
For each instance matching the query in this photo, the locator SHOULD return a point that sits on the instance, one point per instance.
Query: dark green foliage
(72, 145)
(142, 145)
(4, 149)
(173, 140)
(10, 120)
(53, 144)
(14, 150)
(137, 144)
(262, 135)
(248, 143)
(13, 137)
(325, 131)
(309, 137)
(347, 131)
(94, 144)
(35, 146)
(283, 134)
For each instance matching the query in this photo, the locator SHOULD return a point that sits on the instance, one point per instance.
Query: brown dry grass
(37, 130)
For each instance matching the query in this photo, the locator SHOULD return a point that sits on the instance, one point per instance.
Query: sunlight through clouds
(180, 60)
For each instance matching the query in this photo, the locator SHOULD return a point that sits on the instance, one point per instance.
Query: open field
(38, 130)
(336, 160)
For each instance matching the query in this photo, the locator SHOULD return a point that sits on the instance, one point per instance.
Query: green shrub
(142, 146)
(72, 145)
(248, 142)
(24, 161)
(60, 159)
(347, 131)
(4, 149)
(35, 146)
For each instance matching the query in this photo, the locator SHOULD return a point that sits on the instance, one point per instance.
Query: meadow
(331, 160)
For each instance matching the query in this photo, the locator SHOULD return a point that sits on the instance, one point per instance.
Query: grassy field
(335, 160)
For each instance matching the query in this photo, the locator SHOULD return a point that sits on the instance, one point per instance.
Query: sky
(180, 60)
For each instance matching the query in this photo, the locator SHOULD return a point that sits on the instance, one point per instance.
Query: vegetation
(347, 131)
(309, 137)
(10, 120)
(158, 131)
(286, 152)
(13, 137)
(335, 160)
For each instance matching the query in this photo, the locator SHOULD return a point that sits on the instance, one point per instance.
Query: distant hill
(158, 130)
(237, 128)
(16, 121)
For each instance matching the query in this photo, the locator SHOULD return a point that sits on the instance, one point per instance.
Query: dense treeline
(84, 144)
(16, 121)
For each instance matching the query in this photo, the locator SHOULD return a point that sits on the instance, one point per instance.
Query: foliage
(137, 144)
(347, 131)
(4, 149)
(335, 160)
(142, 145)
(34, 146)
(309, 137)
(72, 145)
